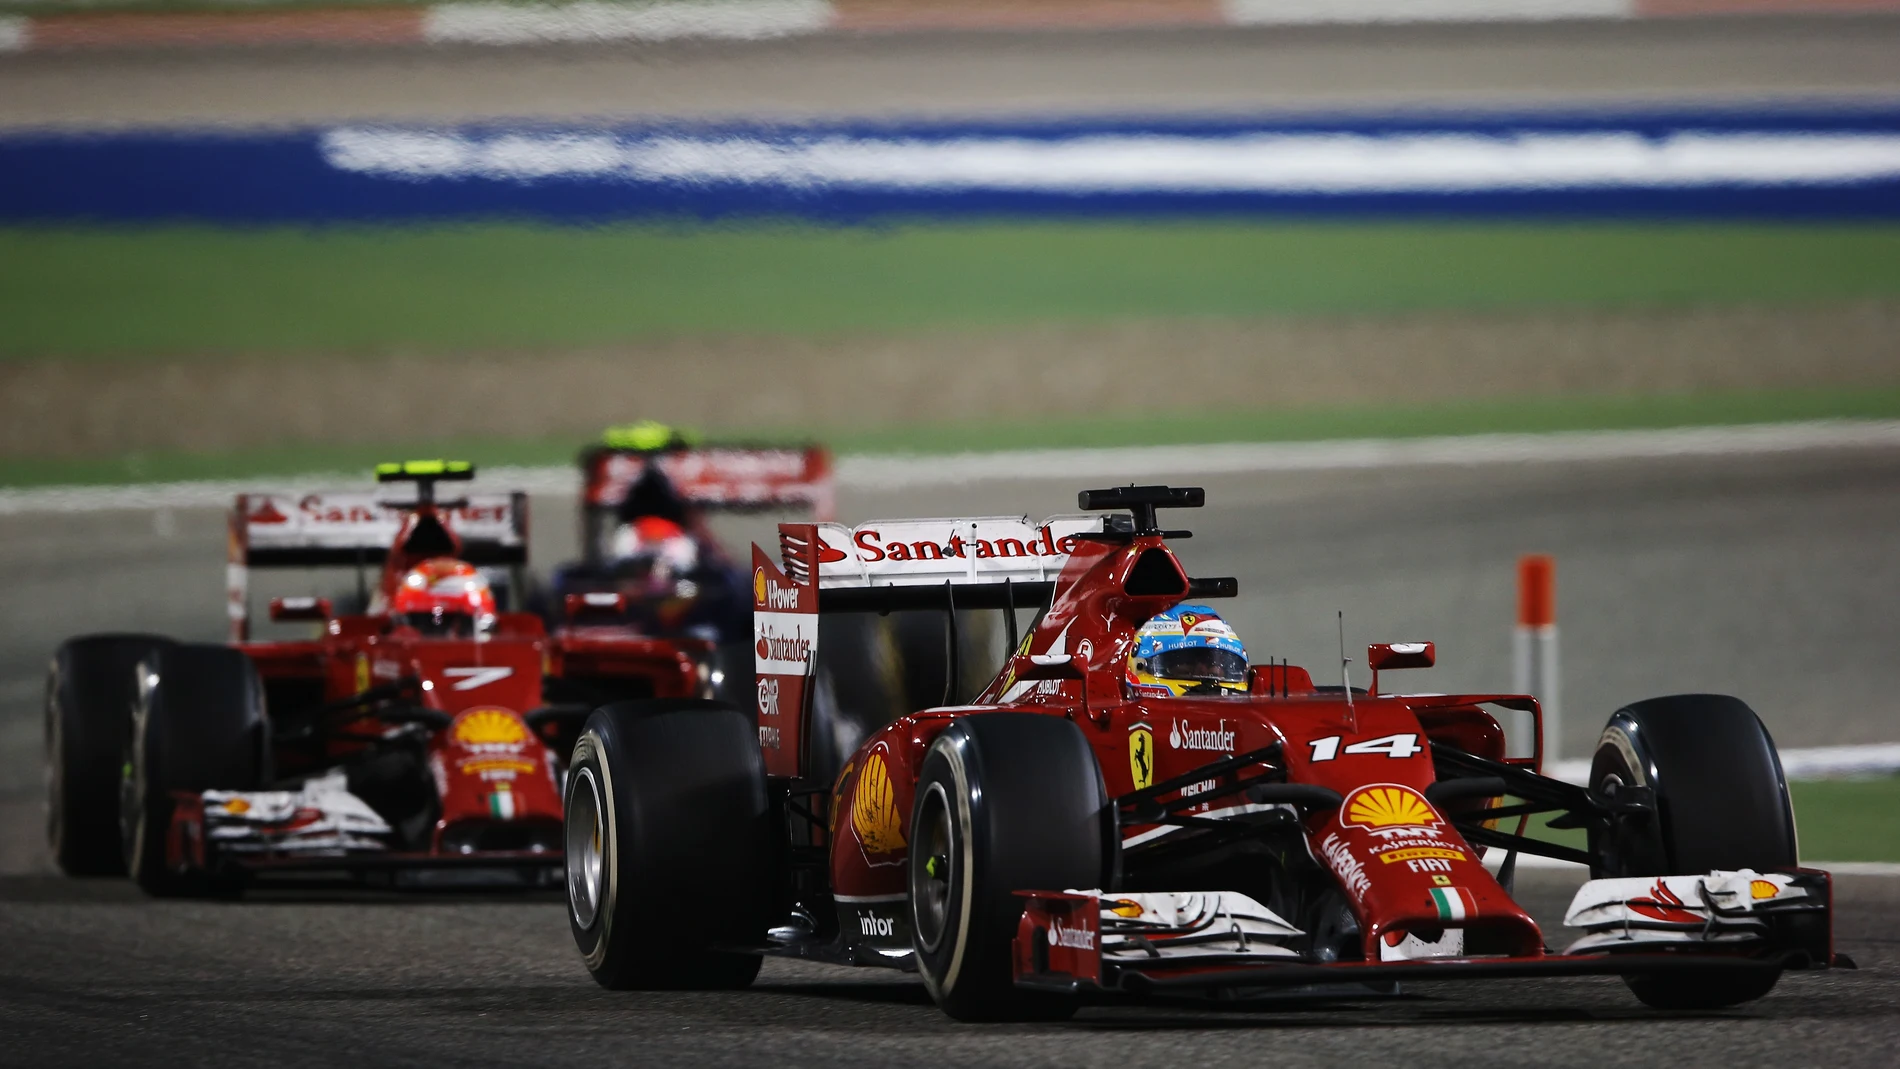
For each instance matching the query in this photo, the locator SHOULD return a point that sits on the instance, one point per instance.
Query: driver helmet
(443, 596)
(1187, 650)
(654, 549)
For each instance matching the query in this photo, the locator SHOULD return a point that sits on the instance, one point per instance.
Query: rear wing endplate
(987, 562)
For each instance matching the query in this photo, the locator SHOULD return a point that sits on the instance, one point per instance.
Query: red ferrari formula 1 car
(1071, 835)
(421, 740)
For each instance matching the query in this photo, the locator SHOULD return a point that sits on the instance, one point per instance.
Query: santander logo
(772, 645)
(1184, 736)
(827, 554)
(1073, 938)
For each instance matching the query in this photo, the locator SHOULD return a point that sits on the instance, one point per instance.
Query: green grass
(1848, 820)
(146, 7)
(1521, 415)
(1839, 820)
(165, 291)
(71, 7)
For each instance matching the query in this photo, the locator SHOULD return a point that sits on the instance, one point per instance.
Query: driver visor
(1205, 663)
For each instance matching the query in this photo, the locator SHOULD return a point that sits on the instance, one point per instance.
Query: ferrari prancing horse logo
(1141, 757)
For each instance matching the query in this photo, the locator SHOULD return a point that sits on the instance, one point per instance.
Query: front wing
(1157, 942)
(321, 829)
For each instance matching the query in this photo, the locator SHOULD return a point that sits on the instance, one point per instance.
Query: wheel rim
(931, 869)
(586, 849)
(55, 783)
(131, 811)
(1609, 858)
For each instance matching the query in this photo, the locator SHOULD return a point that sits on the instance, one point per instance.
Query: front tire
(670, 852)
(90, 687)
(1721, 803)
(1004, 802)
(198, 724)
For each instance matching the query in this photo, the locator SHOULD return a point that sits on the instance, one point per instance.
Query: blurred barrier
(493, 22)
(1839, 163)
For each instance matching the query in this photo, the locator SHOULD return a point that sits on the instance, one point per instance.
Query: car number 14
(1390, 745)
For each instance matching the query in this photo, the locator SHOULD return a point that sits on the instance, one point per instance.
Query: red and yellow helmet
(444, 596)
(1186, 650)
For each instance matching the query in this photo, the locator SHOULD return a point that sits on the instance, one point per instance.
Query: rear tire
(1721, 804)
(198, 724)
(90, 686)
(1004, 802)
(670, 850)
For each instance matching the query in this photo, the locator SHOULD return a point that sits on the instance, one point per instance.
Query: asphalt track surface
(1772, 578)
(1228, 71)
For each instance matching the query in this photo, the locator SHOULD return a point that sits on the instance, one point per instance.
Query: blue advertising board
(1836, 163)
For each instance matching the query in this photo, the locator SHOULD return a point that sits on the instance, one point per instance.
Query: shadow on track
(53, 889)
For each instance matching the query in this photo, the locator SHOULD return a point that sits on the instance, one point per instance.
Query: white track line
(1818, 762)
(1494, 858)
(909, 472)
(1298, 12)
(511, 24)
(1143, 462)
(1857, 868)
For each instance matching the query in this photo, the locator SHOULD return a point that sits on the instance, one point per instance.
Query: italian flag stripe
(1454, 903)
(502, 805)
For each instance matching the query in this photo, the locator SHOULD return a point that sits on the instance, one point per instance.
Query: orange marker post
(1534, 644)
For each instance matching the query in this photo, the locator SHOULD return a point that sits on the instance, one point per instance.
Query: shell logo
(1387, 805)
(490, 727)
(1759, 889)
(237, 807)
(758, 586)
(874, 809)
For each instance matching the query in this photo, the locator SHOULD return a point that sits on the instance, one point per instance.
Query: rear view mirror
(1386, 656)
(289, 610)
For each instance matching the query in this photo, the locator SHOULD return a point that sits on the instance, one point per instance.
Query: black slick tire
(671, 868)
(90, 686)
(1004, 802)
(198, 724)
(1721, 804)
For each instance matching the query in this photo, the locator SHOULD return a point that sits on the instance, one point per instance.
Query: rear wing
(987, 562)
(736, 478)
(356, 527)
